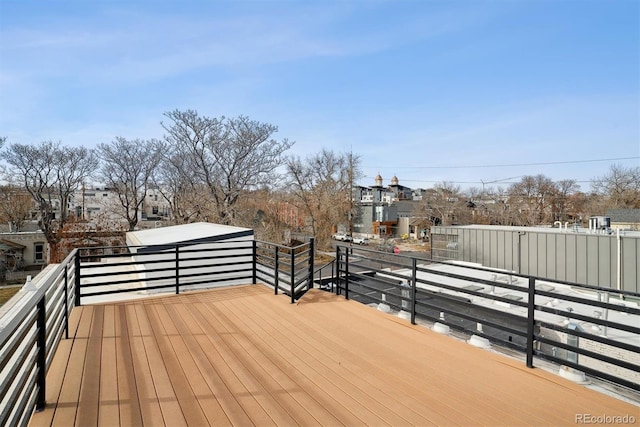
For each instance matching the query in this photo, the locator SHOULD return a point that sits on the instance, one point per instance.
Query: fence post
(66, 301)
(42, 354)
(293, 274)
(346, 274)
(254, 275)
(177, 269)
(277, 271)
(414, 286)
(337, 270)
(531, 309)
(76, 262)
(311, 254)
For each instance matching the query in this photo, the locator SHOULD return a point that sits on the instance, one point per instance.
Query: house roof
(6, 245)
(186, 233)
(624, 215)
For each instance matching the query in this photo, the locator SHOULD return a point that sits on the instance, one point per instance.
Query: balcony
(277, 351)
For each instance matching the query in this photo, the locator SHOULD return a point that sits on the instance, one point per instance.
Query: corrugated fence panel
(593, 260)
(630, 271)
(590, 259)
(571, 264)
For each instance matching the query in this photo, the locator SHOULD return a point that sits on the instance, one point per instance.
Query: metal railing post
(337, 270)
(42, 354)
(414, 286)
(254, 275)
(276, 279)
(76, 262)
(293, 274)
(311, 254)
(177, 269)
(346, 274)
(531, 309)
(66, 301)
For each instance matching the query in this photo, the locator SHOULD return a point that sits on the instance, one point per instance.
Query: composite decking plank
(171, 411)
(147, 397)
(212, 345)
(55, 377)
(128, 404)
(90, 389)
(267, 353)
(502, 388)
(207, 370)
(456, 380)
(498, 383)
(57, 372)
(301, 350)
(290, 395)
(185, 397)
(68, 402)
(337, 352)
(358, 410)
(108, 404)
(244, 348)
(224, 344)
(458, 384)
(440, 400)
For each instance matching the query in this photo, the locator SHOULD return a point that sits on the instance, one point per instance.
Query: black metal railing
(32, 324)
(36, 319)
(287, 269)
(181, 267)
(593, 330)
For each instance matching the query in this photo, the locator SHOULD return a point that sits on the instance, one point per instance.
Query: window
(154, 210)
(38, 253)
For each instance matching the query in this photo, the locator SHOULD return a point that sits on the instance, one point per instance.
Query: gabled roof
(6, 245)
(624, 215)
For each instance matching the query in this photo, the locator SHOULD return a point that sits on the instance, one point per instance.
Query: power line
(566, 162)
(501, 181)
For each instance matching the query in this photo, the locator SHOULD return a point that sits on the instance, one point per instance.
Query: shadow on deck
(242, 356)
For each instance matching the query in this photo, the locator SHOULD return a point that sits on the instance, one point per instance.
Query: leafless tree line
(233, 171)
(534, 200)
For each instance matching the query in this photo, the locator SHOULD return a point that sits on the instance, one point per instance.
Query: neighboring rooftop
(186, 233)
(244, 356)
(624, 215)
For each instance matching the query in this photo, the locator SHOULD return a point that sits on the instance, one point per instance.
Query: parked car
(342, 237)
(361, 240)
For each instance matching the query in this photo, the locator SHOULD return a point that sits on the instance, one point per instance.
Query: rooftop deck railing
(36, 319)
(31, 326)
(585, 329)
(589, 329)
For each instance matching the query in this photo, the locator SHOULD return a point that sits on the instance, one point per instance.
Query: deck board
(243, 356)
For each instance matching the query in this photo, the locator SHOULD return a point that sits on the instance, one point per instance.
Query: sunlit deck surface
(243, 356)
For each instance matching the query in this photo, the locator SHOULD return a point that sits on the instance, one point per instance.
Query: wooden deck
(242, 356)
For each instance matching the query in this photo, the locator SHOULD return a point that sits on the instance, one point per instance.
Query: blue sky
(425, 90)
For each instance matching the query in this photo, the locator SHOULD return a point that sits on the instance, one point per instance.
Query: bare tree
(51, 173)
(561, 204)
(444, 204)
(127, 166)
(621, 186)
(16, 205)
(321, 187)
(533, 198)
(228, 156)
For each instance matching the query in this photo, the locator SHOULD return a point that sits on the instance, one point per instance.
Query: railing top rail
(213, 239)
(12, 315)
(277, 245)
(498, 271)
